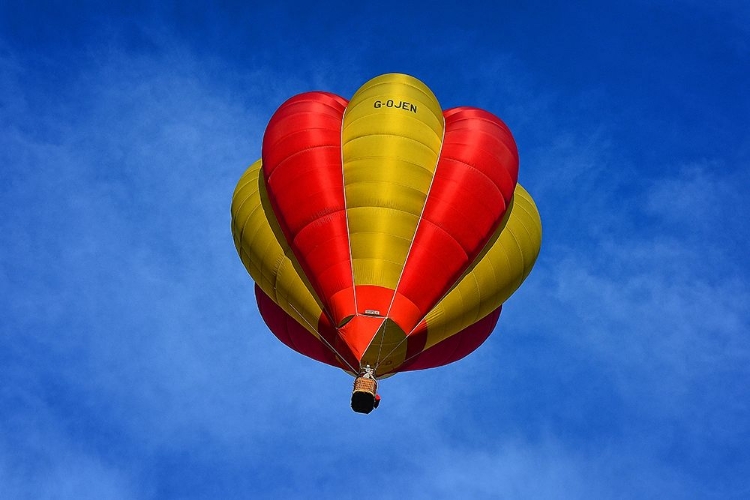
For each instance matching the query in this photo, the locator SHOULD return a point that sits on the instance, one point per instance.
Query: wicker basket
(369, 385)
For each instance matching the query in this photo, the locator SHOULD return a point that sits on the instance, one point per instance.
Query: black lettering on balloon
(390, 103)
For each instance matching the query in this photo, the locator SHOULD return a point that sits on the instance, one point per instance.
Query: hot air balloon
(383, 233)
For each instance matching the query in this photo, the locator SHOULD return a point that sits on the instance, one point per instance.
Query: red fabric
(473, 185)
(453, 348)
(303, 173)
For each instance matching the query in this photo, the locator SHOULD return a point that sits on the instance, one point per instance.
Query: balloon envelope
(384, 231)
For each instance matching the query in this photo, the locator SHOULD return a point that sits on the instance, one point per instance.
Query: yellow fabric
(501, 268)
(391, 138)
(387, 349)
(265, 253)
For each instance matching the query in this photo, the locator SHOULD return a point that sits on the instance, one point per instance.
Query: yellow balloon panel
(498, 272)
(388, 348)
(398, 223)
(361, 171)
(391, 138)
(380, 239)
(388, 195)
(265, 254)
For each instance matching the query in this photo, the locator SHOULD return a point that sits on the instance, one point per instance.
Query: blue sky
(134, 364)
